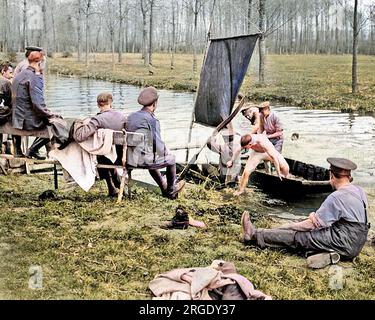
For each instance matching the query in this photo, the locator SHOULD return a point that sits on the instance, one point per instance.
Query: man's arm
(305, 225)
(36, 87)
(236, 154)
(83, 130)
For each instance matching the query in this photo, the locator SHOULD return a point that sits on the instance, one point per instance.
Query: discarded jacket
(220, 281)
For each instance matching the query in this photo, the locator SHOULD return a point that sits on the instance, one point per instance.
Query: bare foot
(238, 193)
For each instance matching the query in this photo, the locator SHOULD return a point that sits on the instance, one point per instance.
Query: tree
(150, 48)
(262, 40)
(111, 26)
(355, 48)
(144, 11)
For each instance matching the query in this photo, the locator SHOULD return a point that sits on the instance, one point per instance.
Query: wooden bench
(122, 138)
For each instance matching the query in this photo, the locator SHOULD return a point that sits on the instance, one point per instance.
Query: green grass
(309, 81)
(92, 248)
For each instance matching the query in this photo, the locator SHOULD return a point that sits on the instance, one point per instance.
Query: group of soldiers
(337, 229)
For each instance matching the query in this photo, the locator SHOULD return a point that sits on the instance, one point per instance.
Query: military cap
(148, 96)
(341, 165)
(32, 48)
(265, 104)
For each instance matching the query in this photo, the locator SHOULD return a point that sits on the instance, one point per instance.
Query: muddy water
(322, 133)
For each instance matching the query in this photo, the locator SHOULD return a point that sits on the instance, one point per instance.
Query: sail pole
(217, 130)
(204, 58)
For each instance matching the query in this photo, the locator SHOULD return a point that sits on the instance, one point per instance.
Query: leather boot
(34, 148)
(161, 182)
(17, 146)
(173, 186)
(112, 191)
(275, 238)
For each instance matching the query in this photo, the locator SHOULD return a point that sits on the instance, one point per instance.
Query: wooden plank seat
(44, 133)
(122, 138)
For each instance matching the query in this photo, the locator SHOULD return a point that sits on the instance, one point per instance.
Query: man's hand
(230, 164)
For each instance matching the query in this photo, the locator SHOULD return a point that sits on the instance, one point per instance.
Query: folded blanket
(79, 159)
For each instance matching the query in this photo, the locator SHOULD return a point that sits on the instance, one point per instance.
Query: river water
(322, 133)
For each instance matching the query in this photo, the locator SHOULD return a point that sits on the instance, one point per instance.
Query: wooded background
(290, 26)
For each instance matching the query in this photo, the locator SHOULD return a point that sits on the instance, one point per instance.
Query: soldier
(25, 62)
(337, 229)
(154, 155)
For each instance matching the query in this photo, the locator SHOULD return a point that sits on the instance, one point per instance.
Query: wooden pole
(216, 131)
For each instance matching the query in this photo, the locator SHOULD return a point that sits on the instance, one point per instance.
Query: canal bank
(307, 81)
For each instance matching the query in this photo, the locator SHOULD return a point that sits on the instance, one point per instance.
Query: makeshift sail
(222, 74)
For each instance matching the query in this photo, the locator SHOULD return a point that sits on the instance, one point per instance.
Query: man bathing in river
(261, 150)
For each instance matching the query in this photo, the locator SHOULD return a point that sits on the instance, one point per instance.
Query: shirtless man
(261, 150)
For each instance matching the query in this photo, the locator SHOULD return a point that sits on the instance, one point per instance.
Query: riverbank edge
(176, 85)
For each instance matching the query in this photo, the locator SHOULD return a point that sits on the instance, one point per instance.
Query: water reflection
(322, 133)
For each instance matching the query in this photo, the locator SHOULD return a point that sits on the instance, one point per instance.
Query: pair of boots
(283, 238)
(33, 151)
(12, 146)
(169, 187)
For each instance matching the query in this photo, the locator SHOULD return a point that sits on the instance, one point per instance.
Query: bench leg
(122, 187)
(55, 178)
(130, 184)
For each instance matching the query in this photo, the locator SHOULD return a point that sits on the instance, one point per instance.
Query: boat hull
(304, 179)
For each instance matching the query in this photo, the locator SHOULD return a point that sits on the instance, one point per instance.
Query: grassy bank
(91, 248)
(309, 81)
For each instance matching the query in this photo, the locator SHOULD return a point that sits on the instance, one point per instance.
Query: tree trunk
(45, 35)
(355, 47)
(150, 48)
(317, 33)
(249, 15)
(54, 39)
(24, 40)
(144, 33)
(113, 49)
(79, 33)
(6, 25)
(87, 31)
(337, 44)
(120, 32)
(173, 46)
(262, 41)
(195, 37)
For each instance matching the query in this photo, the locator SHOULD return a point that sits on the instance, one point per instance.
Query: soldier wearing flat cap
(154, 155)
(25, 63)
(338, 229)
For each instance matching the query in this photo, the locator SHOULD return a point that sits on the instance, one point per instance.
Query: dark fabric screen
(221, 78)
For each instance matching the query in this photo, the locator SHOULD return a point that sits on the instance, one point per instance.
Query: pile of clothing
(219, 281)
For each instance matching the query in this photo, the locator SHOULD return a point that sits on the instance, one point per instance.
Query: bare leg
(254, 159)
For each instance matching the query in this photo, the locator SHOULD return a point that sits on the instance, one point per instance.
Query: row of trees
(146, 26)
(291, 26)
